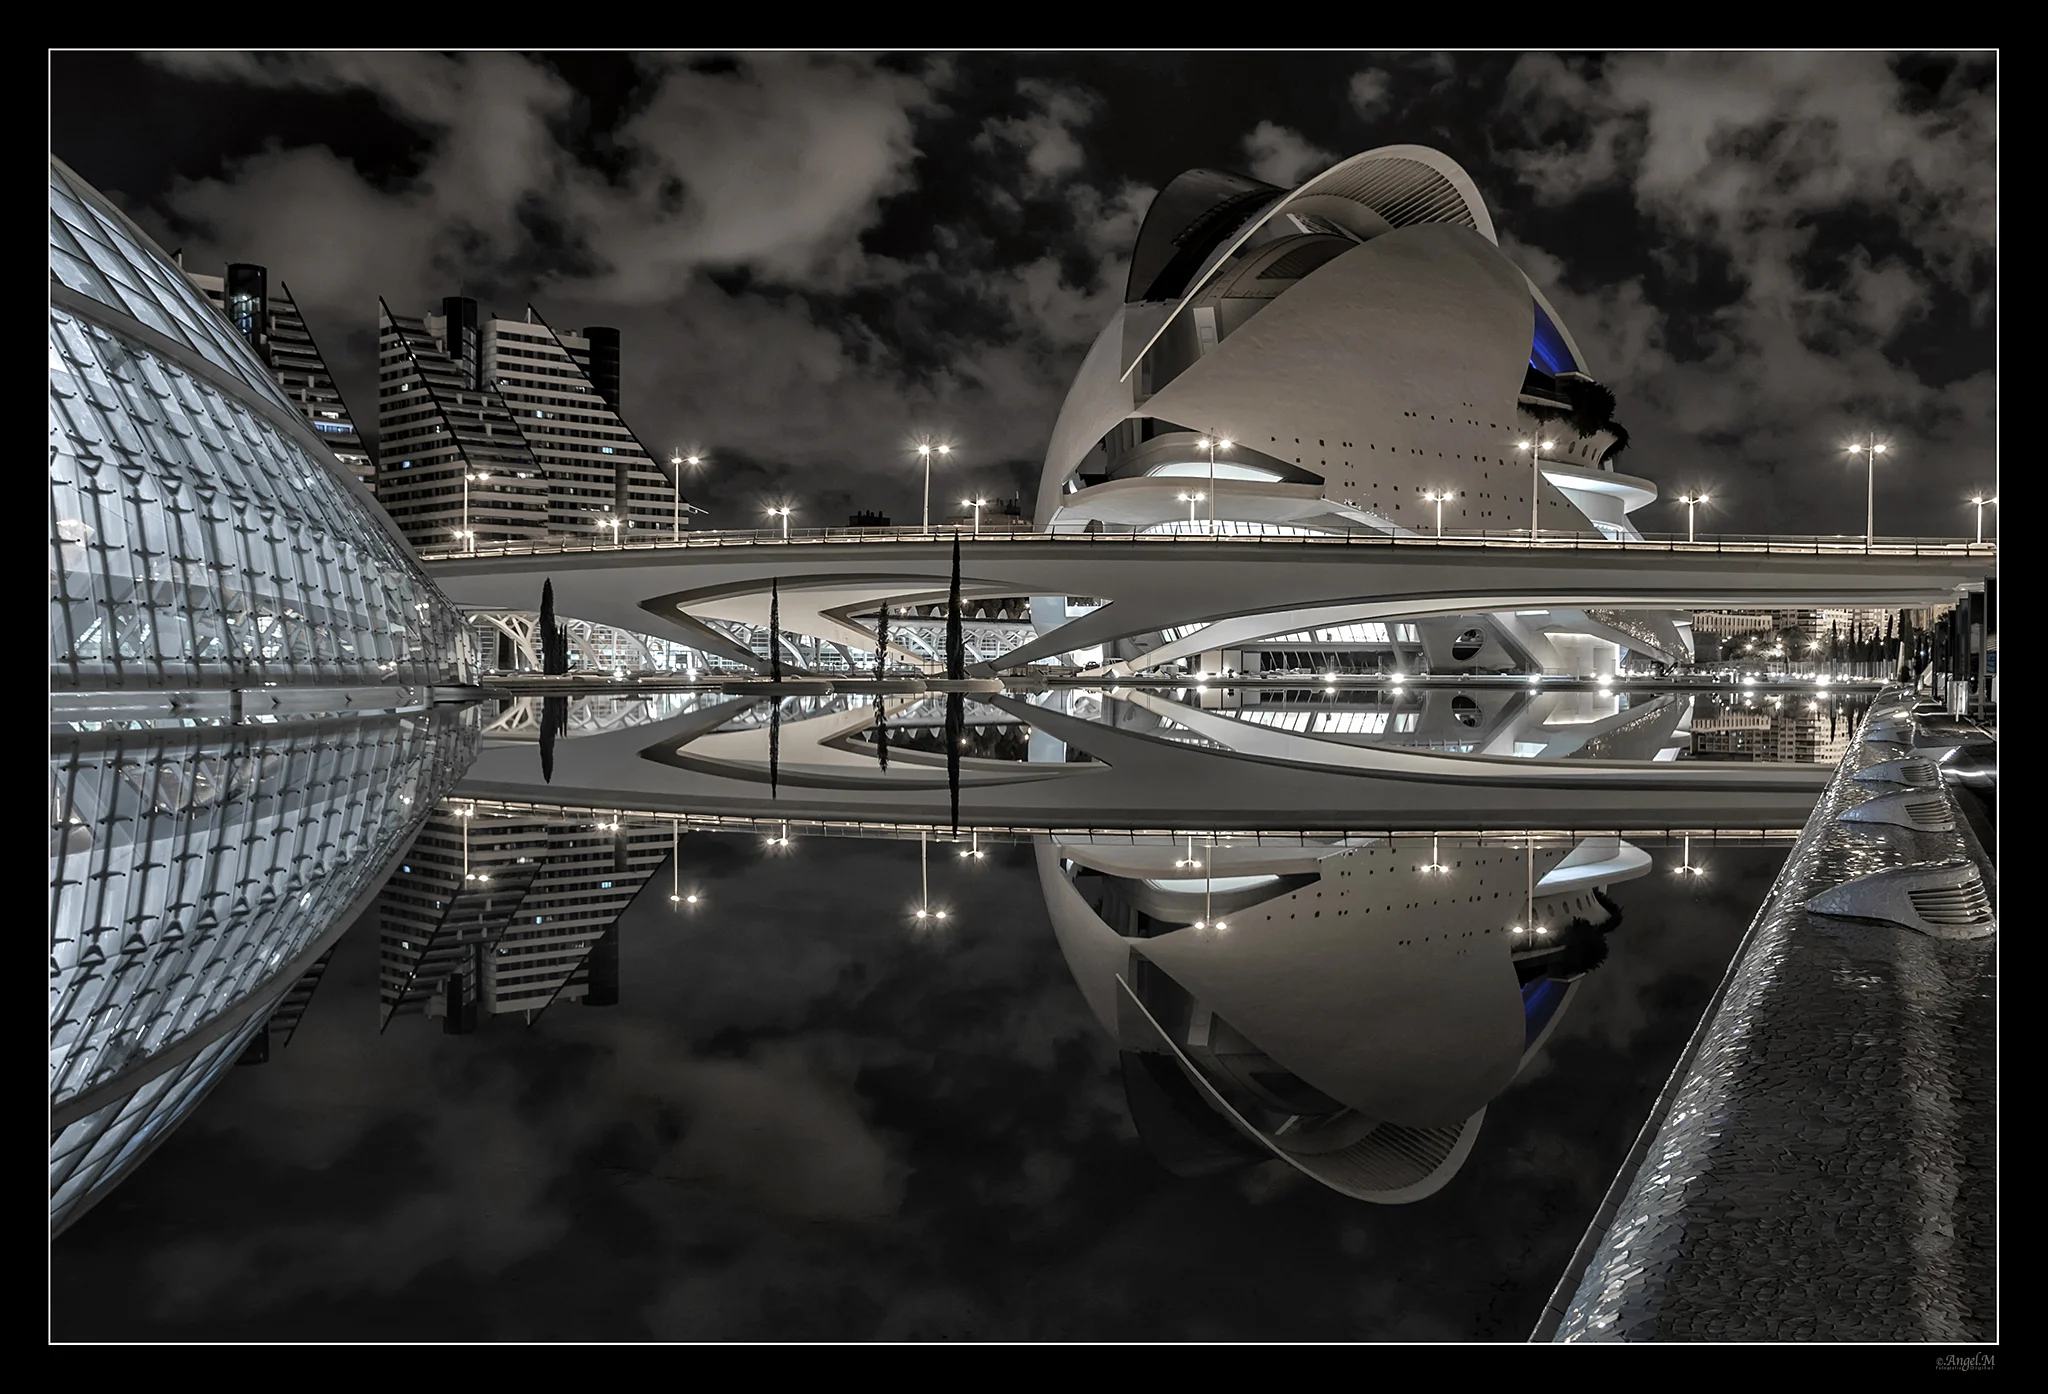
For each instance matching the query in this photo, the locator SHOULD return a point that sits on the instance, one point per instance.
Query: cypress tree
(956, 639)
(956, 726)
(554, 635)
(775, 630)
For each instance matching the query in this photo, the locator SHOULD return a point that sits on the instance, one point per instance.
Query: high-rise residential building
(496, 912)
(494, 430)
(274, 327)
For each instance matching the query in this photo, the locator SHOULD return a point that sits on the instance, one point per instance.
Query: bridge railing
(1771, 544)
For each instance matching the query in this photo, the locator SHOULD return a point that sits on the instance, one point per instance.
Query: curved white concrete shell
(1365, 331)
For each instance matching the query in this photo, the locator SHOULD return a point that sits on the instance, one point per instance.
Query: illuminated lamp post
(1869, 450)
(1981, 501)
(1535, 450)
(1437, 497)
(1212, 444)
(476, 476)
(1691, 502)
(925, 453)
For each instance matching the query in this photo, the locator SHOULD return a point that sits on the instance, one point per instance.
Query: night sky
(806, 1120)
(817, 260)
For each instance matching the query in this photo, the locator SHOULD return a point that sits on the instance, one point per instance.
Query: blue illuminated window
(1547, 353)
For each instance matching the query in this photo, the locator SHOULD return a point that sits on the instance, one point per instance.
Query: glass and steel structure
(257, 695)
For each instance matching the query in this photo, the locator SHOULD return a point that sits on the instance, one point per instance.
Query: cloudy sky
(816, 260)
(806, 1120)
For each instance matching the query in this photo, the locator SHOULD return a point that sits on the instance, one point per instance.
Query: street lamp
(973, 851)
(924, 912)
(675, 848)
(614, 524)
(1437, 497)
(468, 477)
(925, 451)
(1212, 444)
(1691, 502)
(1870, 450)
(1685, 866)
(1535, 457)
(1208, 921)
(678, 460)
(1981, 501)
(782, 513)
(1191, 500)
(977, 505)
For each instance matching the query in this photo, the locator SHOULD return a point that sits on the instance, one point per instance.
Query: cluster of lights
(924, 913)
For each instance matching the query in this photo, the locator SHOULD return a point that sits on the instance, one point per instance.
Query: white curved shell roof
(1397, 186)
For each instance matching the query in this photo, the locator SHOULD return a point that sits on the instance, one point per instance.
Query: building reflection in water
(1349, 1007)
(497, 912)
(246, 665)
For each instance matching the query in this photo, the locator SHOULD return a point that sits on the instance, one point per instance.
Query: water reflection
(1578, 722)
(1349, 1005)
